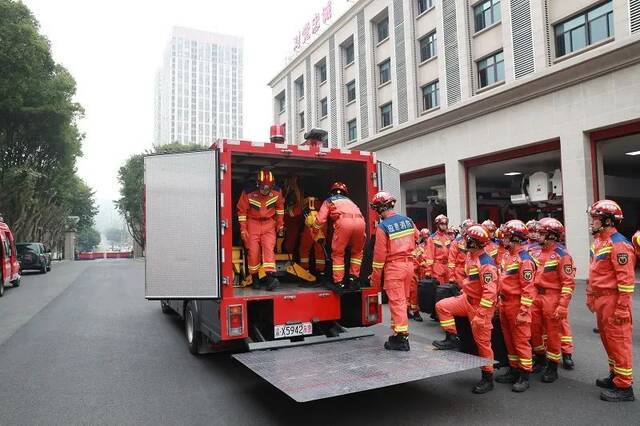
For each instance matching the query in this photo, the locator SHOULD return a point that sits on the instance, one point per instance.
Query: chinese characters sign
(311, 28)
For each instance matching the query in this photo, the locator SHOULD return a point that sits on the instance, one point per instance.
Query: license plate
(292, 330)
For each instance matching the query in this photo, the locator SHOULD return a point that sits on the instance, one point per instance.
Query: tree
(131, 178)
(87, 239)
(113, 235)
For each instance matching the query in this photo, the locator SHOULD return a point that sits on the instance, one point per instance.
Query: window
(424, 5)
(301, 120)
(385, 115)
(486, 13)
(352, 130)
(349, 54)
(324, 107)
(351, 91)
(430, 95)
(300, 88)
(321, 72)
(587, 28)
(491, 70)
(281, 102)
(428, 46)
(384, 69)
(383, 29)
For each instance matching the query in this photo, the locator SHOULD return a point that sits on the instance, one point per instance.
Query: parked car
(34, 256)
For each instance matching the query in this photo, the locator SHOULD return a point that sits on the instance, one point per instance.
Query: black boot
(256, 283)
(550, 374)
(450, 342)
(434, 316)
(596, 330)
(607, 382)
(511, 376)
(523, 382)
(354, 283)
(539, 362)
(617, 395)
(485, 384)
(416, 317)
(399, 342)
(272, 282)
(409, 314)
(567, 362)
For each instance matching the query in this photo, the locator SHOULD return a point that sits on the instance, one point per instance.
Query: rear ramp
(307, 373)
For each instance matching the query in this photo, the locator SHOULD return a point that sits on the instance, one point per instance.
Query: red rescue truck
(9, 265)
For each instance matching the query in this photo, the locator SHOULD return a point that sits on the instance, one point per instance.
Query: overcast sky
(114, 47)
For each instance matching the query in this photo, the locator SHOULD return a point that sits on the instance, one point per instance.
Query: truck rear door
(182, 201)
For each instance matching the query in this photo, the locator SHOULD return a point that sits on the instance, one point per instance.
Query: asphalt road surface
(81, 345)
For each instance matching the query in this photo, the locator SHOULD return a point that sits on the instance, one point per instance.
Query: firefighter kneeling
(395, 241)
(477, 303)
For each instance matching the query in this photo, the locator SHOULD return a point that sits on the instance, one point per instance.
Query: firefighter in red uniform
(533, 226)
(413, 309)
(635, 240)
(437, 254)
(477, 302)
(308, 243)
(516, 298)
(348, 229)
(458, 255)
(492, 247)
(392, 256)
(498, 239)
(610, 296)
(261, 216)
(554, 287)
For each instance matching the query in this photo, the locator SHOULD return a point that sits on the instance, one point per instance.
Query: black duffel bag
(427, 289)
(446, 290)
(468, 345)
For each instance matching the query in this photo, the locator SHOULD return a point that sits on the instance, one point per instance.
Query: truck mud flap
(312, 372)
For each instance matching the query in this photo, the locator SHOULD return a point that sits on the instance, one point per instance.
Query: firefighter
(492, 247)
(348, 229)
(413, 309)
(457, 256)
(392, 257)
(498, 239)
(308, 243)
(610, 297)
(555, 282)
(516, 298)
(635, 240)
(437, 254)
(477, 302)
(261, 216)
(534, 237)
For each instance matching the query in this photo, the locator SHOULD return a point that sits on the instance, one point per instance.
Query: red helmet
(425, 233)
(533, 225)
(477, 235)
(515, 229)
(382, 201)
(441, 220)
(339, 186)
(454, 230)
(551, 226)
(265, 177)
(500, 232)
(606, 208)
(635, 240)
(490, 226)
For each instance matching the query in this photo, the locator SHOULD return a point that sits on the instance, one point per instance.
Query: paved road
(87, 348)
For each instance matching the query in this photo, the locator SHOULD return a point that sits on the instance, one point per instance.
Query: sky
(113, 49)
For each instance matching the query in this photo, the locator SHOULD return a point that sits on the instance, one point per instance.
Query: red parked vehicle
(9, 265)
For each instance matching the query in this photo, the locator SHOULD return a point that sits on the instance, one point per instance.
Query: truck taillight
(372, 308)
(234, 318)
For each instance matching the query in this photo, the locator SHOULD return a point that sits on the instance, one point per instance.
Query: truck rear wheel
(191, 329)
(165, 308)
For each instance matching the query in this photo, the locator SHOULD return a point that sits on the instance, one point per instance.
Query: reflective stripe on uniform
(626, 288)
(242, 218)
(623, 371)
(338, 267)
(566, 290)
(447, 323)
(356, 261)
(378, 265)
(566, 339)
(526, 301)
(486, 303)
(554, 357)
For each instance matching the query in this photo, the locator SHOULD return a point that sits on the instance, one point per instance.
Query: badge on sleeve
(527, 274)
(568, 269)
(623, 258)
(487, 277)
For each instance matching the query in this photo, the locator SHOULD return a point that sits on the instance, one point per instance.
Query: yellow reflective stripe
(626, 288)
(486, 303)
(269, 264)
(242, 218)
(378, 264)
(566, 339)
(279, 211)
(356, 261)
(451, 265)
(554, 357)
(401, 328)
(512, 357)
(611, 362)
(401, 234)
(316, 225)
(526, 361)
(566, 290)
(338, 267)
(429, 262)
(526, 301)
(605, 250)
(271, 201)
(539, 348)
(473, 271)
(493, 252)
(623, 371)
(551, 263)
(320, 261)
(254, 268)
(255, 202)
(447, 322)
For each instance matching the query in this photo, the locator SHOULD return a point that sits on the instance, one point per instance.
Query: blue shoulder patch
(524, 255)
(619, 238)
(561, 250)
(485, 259)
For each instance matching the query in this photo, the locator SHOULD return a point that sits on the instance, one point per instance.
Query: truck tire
(16, 282)
(1, 286)
(165, 308)
(191, 329)
(49, 267)
(43, 270)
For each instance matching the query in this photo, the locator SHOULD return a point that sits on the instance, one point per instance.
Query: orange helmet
(339, 187)
(453, 231)
(382, 201)
(441, 220)
(533, 225)
(265, 178)
(550, 226)
(490, 226)
(606, 209)
(515, 229)
(476, 236)
(425, 233)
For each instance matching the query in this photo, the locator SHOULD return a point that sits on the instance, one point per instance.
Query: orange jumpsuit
(636, 242)
(457, 256)
(392, 254)
(610, 293)
(516, 298)
(419, 271)
(307, 244)
(348, 229)
(555, 282)
(260, 216)
(477, 302)
(438, 256)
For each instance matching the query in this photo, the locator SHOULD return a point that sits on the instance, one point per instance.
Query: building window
(424, 5)
(486, 13)
(351, 91)
(587, 28)
(324, 107)
(386, 118)
(430, 95)
(384, 69)
(349, 54)
(321, 72)
(300, 88)
(352, 130)
(491, 70)
(301, 120)
(281, 103)
(383, 29)
(428, 46)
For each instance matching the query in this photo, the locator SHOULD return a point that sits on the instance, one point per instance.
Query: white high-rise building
(198, 93)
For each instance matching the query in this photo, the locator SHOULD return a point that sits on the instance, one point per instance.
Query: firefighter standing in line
(261, 216)
(477, 302)
(348, 229)
(413, 309)
(635, 240)
(392, 256)
(308, 243)
(458, 255)
(437, 254)
(492, 247)
(516, 298)
(533, 227)
(610, 295)
(555, 282)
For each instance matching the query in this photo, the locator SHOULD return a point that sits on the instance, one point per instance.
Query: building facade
(489, 108)
(199, 88)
